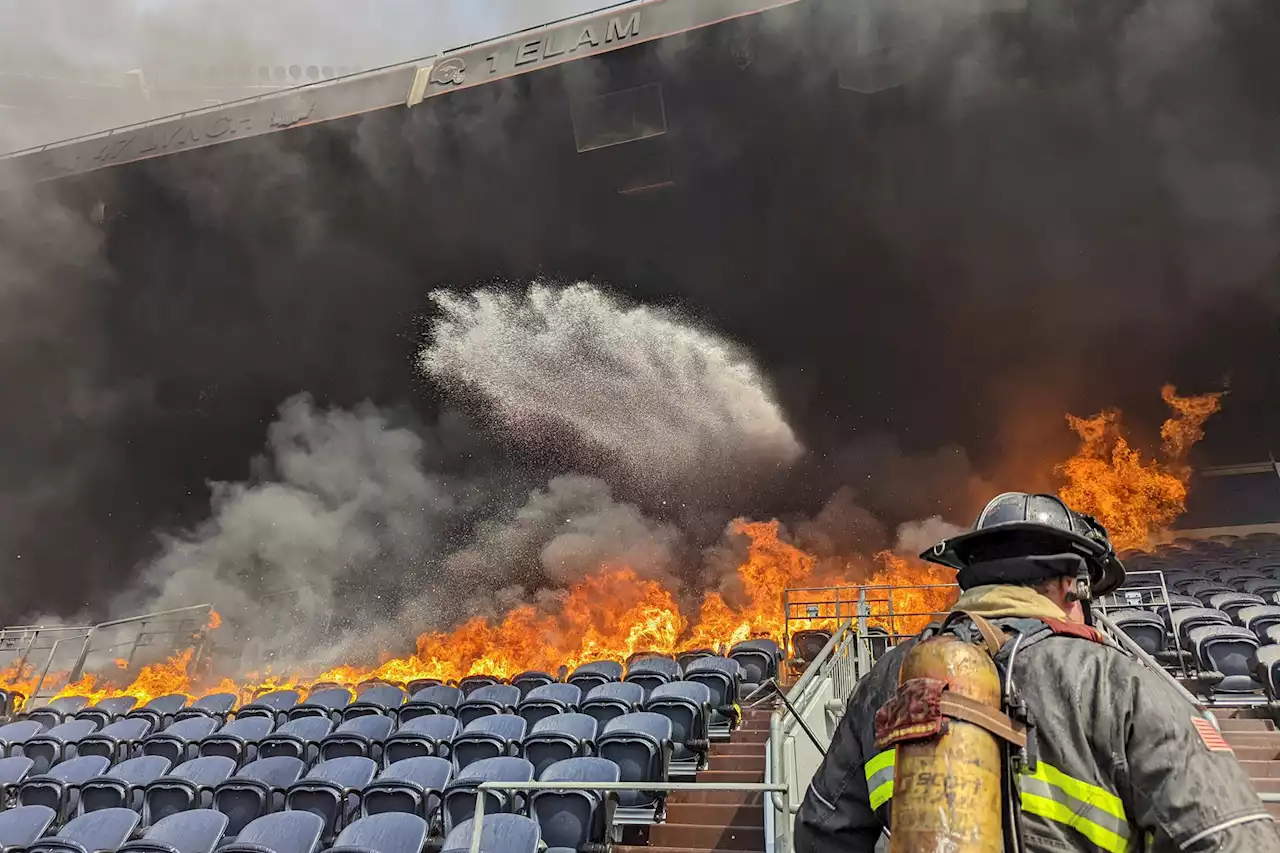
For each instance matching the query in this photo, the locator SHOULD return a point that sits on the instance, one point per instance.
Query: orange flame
(1131, 496)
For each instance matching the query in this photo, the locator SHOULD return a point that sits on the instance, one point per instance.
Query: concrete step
(709, 814)
(754, 799)
(1256, 753)
(750, 736)
(758, 724)
(1272, 808)
(705, 837)
(730, 776)
(1245, 724)
(754, 763)
(1261, 769)
(731, 748)
(1258, 739)
(1267, 786)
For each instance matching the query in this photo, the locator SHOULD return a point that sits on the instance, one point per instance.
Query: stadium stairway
(1256, 743)
(722, 821)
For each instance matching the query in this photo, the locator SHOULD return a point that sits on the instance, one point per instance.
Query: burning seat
(490, 699)
(383, 833)
(437, 699)
(255, 790)
(385, 700)
(612, 699)
(275, 706)
(422, 737)
(286, 832)
(331, 790)
(559, 738)
(687, 657)
(488, 737)
(1231, 603)
(179, 742)
(547, 700)
(722, 677)
(188, 786)
(121, 786)
(50, 747)
(807, 645)
(59, 787)
(1143, 627)
(526, 681)
(105, 830)
(510, 833)
(117, 741)
(651, 672)
(572, 820)
(21, 826)
(107, 711)
(299, 738)
(13, 735)
(460, 794)
(57, 711)
(216, 705)
(1228, 650)
(1258, 619)
(688, 706)
(361, 735)
(237, 738)
(412, 786)
(595, 673)
(160, 711)
(328, 703)
(640, 744)
(759, 660)
(197, 831)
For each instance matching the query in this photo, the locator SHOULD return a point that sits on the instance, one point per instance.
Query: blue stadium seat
(437, 699)
(612, 699)
(722, 677)
(256, 789)
(1229, 650)
(1258, 619)
(1186, 619)
(107, 711)
(238, 738)
(160, 711)
(56, 712)
(559, 738)
(651, 672)
(421, 737)
(299, 738)
(1268, 668)
(117, 741)
(488, 737)
(420, 684)
(460, 794)
(197, 831)
(328, 703)
(384, 700)
(1265, 589)
(275, 706)
(12, 772)
(688, 706)
(1231, 603)
(360, 735)
(48, 748)
(595, 673)
(759, 660)
(808, 644)
(414, 786)
(331, 790)
(499, 833)
(21, 826)
(97, 832)
(13, 735)
(179, 742)
(472, 683)
(215, 705)
(188, 786)
(547, 700)
(383, 833)
(284, 832)
(687, 657)
(121, 786)
(526, 681)
(1143, 627)
(59, 787)
(490, 699)
(570, 820)
(640, 744)
(1204, 590)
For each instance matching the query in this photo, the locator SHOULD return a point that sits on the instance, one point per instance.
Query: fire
(1131, 496)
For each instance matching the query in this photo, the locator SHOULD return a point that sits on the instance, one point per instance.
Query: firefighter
(1115, 759)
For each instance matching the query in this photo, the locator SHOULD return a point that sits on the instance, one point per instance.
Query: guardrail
(746, 787)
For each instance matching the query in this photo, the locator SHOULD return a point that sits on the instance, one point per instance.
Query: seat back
(758, 659)
(216, 705)
(14, 734)
(687, 705)
(116, 740)
(488, 737)
(460, 794)
(558, 738)
(486, 700)
(527, 681)
(508, 833)
(121, 786)
(1231, 603)
(274, 705)
(330, 790)
(59, 787)
(12, 771)
(385, 833)
(107, 711)
(651, 672)
(1259, 618)
(328, 703)
(472, 683)
(285, 832)
(547, 700)
(606, 701)
(161, 711)
(595, 673)
(572, 819)
(103, 830)
(436, 699)
(1229, 650)
(189, 832)
(21, 826)
(298, 738)
(721, 676)
(257, 789)
(178, 743)
(431, 735)
(420, 684)
(237, 738)
(359, 735)
(1143, 627)
(188, 786)
(413, 786)
(50, 747)
(385, 699)
(56, 711)
(1187, 618)
(638, 743)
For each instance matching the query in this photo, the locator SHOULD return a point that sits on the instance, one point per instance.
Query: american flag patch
(1211, 736)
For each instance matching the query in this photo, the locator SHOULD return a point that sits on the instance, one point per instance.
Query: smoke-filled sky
(424, 353)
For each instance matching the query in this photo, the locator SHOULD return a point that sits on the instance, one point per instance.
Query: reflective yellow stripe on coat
(1090, 810)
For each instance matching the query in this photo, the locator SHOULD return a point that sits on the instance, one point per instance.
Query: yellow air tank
(947, 789)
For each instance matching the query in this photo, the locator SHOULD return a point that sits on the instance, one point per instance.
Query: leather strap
(984, 716)
(993, 637)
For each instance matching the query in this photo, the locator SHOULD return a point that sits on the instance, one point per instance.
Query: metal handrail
(763, 787)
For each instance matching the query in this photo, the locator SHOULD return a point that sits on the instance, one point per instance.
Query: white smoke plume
(644, 389)
(915, 537)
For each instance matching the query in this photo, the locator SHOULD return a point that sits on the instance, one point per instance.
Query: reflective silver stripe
(875, 780)
(1080, 808)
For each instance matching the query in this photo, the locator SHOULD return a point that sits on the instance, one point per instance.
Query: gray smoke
(668, 405)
